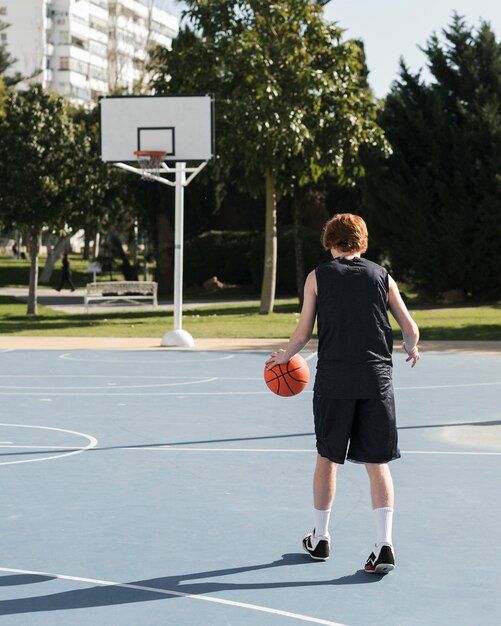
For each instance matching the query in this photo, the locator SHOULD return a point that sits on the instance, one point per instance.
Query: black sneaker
(318, 547)
(381, 559)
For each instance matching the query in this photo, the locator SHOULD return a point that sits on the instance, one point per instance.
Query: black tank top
(354, 334)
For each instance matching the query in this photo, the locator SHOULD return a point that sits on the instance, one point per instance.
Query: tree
(156, 218)
(96, 191)
(6, 60)
(290, 103)
(37, 149)
(436, 203)
(344, 123)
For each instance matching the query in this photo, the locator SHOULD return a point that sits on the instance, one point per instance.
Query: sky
(392, 29)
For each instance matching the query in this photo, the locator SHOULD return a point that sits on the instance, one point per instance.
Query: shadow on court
(23, 579)
(160, 588)
(170, 444)
(173, 444)
(452, 424)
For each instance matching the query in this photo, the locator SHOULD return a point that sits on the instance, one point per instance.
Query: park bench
(125, 290)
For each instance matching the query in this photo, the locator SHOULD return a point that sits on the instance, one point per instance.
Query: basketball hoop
(150, 162)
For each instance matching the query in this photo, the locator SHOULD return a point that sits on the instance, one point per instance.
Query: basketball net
(150, 162)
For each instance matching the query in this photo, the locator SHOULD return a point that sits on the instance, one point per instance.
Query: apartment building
(83, 49)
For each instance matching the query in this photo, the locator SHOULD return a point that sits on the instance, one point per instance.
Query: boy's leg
(324, 483)
(317, 543)
(382, 559)
(333, 421)
(382, 493)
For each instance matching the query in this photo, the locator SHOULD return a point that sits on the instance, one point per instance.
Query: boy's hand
(412, 355)
(276, 358)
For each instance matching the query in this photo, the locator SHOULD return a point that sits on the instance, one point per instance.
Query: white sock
(321, 519)
(384, 522)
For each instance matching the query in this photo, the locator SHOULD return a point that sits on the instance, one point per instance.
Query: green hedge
(224, 254)
(236, 257)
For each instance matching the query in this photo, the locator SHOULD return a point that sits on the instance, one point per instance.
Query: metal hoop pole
(178, 245)
(178, 336)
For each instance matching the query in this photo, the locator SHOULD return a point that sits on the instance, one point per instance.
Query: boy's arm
(409, 328)
(304, 329)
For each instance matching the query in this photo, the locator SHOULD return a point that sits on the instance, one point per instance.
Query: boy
(353, 403)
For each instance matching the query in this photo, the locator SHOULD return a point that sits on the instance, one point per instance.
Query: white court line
(6, 350)
(221, 378)
(92, 444)
(280, 450)
(450, 452)
(150, 394)
(449, 386)
(310, 356)
(180, 594)
(126, 377)
(227, 393)
(101, 376)
(12, 447)
(67, 357)
(113, 387)
(181, 448)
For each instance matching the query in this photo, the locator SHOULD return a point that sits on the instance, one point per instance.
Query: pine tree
(6, 60)
(435, 205)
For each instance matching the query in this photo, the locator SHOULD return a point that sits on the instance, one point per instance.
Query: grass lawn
(482, 322)
(16, 272)
(217, 321)
(467, 323)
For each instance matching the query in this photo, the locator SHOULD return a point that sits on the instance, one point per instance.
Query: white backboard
(182, 126)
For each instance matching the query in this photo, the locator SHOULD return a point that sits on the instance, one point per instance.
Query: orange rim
(151, 153)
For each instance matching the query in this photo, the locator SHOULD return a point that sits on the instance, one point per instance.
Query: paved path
(73, 302)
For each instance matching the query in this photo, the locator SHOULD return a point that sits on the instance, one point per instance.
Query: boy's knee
(377, 468)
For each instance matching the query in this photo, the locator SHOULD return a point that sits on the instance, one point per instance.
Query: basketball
(288, 379)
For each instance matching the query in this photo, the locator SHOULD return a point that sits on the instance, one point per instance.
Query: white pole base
(178, 338)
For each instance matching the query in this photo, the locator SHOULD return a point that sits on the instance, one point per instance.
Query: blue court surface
(144, 488)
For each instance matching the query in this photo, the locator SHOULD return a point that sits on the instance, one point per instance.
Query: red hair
(346, 233)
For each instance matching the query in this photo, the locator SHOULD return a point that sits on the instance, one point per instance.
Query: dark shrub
(224, 254)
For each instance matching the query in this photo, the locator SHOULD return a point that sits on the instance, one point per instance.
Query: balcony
(79, 30)
(99, 10)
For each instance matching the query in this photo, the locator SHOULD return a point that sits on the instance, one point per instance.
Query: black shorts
(363, 431)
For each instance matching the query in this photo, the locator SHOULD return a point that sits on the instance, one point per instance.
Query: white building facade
(83, 49)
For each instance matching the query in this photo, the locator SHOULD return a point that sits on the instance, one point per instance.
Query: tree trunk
(270, 247)
(134, 242)
(298, 245)
(53, 255)
(86, 249)
(164, 248)
(95, 251)
(34, 248)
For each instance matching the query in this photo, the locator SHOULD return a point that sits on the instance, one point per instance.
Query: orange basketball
(288, 379)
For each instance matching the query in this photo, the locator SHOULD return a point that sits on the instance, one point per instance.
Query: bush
(236, 257)
(224, 254)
